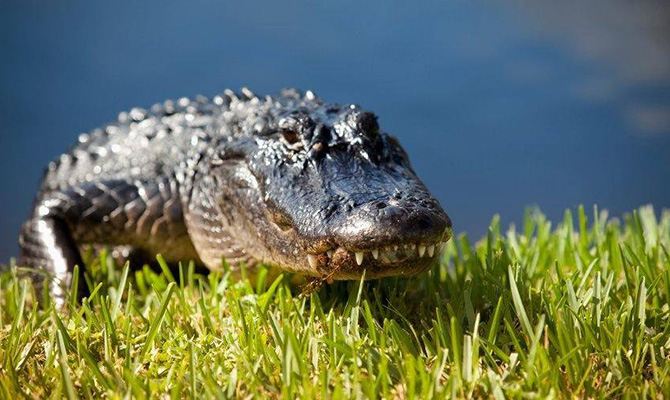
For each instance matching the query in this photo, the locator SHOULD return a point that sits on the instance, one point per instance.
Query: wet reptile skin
(288, 180)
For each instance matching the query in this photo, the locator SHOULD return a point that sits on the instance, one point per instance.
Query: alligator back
(140, 145)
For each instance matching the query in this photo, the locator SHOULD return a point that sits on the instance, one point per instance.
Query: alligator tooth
(311, 258)
(395, 248)
(330, 253)
(359, 257)
(431, 250)
(422, 249)
(375, 253)
(412, 246)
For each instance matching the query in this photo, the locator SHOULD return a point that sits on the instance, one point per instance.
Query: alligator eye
(367, 123)
(290, 136)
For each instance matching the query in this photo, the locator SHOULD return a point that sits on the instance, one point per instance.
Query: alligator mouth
(340, 263)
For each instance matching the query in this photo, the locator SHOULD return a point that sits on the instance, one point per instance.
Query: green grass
(578, 309)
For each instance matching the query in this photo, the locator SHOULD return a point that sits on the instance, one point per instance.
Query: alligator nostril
(381, 205)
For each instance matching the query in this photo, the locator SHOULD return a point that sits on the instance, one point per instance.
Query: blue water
(500, 105)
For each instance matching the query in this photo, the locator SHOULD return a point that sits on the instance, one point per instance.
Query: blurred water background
(500, 105)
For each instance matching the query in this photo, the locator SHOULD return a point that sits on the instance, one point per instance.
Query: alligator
(289, 181)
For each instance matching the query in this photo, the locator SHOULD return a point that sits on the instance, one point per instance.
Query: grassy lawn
(576, 309)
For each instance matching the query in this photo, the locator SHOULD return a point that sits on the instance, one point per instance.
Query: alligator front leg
(144, 215)
(47, 244)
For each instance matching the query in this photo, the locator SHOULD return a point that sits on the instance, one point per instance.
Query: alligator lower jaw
(344, 264)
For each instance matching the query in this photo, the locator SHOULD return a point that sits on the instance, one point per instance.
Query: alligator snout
(385, 237)
(392, 222)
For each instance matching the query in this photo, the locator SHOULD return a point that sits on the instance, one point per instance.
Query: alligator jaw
(340, 263)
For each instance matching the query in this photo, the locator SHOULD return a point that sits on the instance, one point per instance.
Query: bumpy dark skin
(289, 181)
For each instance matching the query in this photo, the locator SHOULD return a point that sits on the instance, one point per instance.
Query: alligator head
(320, 189)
